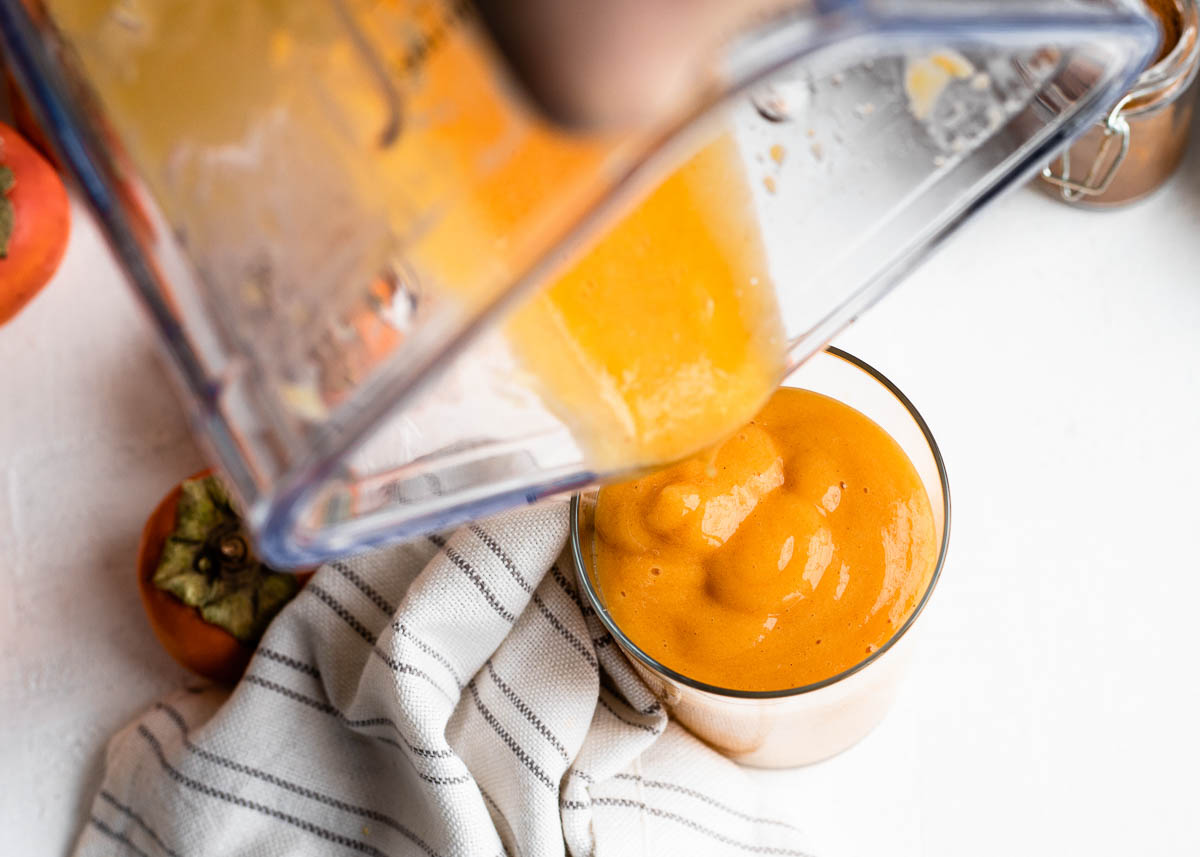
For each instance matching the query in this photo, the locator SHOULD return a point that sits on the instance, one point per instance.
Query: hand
(617, 63)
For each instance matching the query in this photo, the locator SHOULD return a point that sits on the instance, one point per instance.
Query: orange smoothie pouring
(779, 558)
(665, 336)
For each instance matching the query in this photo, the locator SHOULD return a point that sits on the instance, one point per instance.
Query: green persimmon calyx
(8, 214)
(207, 563)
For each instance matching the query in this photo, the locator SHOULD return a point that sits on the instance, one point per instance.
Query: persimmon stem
(207, 563)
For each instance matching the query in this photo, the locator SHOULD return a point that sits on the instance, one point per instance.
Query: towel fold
(450, 696)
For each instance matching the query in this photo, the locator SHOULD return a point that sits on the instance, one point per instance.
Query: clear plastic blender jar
(339, 215)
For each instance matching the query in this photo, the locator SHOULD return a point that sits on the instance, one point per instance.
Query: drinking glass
(796, 725)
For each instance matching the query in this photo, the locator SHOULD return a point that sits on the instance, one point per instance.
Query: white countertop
(1053, 704)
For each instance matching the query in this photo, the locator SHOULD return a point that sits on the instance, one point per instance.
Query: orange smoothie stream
(665, 336)
(781, 557)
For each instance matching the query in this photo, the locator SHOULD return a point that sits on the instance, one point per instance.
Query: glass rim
(632, 649)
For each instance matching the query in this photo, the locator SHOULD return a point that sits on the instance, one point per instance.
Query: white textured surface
(1056, 355)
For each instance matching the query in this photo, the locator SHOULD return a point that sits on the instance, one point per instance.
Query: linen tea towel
(450, 696)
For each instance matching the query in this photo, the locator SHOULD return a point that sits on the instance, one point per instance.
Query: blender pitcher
(339, 215)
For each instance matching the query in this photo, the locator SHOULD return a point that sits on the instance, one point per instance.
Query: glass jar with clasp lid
(1141, 141)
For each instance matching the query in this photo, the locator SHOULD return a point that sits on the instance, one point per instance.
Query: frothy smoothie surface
(778, 558)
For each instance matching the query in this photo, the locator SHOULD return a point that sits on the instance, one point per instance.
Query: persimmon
(35, 221)
(208, 598)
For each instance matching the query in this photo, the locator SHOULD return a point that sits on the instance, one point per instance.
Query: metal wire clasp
(1116, 130)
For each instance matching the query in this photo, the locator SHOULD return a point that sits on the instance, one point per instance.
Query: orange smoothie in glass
(781, 557)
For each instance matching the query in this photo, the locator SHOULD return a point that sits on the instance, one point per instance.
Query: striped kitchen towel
(450, 696)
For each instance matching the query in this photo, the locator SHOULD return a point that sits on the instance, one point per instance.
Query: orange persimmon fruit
(35, 221)
(197, 644)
